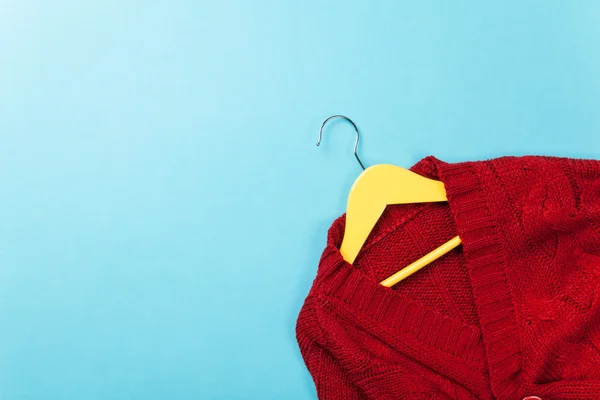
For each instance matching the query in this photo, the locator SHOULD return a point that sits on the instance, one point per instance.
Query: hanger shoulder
(372, 191)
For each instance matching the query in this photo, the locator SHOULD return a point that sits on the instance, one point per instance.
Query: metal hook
(355, 128)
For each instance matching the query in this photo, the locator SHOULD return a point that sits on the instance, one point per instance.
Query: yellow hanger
(373, 190)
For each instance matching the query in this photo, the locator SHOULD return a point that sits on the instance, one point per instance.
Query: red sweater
(513, 312)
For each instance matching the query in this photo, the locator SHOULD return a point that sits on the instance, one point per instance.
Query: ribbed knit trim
(486, 264)
(406, 325)
(410, 320)
(398, 313)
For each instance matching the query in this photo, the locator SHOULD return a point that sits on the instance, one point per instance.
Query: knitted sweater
(513, 312)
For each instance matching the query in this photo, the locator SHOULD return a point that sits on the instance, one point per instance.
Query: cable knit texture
(513, 312)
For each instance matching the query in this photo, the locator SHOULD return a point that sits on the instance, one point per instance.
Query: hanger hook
(355, 128)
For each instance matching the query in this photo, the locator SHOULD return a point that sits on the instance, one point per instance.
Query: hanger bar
(421, 262)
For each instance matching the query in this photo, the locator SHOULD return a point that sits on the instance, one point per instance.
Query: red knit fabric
(513, 312)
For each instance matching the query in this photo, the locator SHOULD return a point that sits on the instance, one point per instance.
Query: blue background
(163, 204)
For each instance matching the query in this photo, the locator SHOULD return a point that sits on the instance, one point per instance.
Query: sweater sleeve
(584, 179)
(331, 382)
(563, 193)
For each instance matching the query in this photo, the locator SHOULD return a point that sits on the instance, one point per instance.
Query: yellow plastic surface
(372, 191)
(421, 262)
